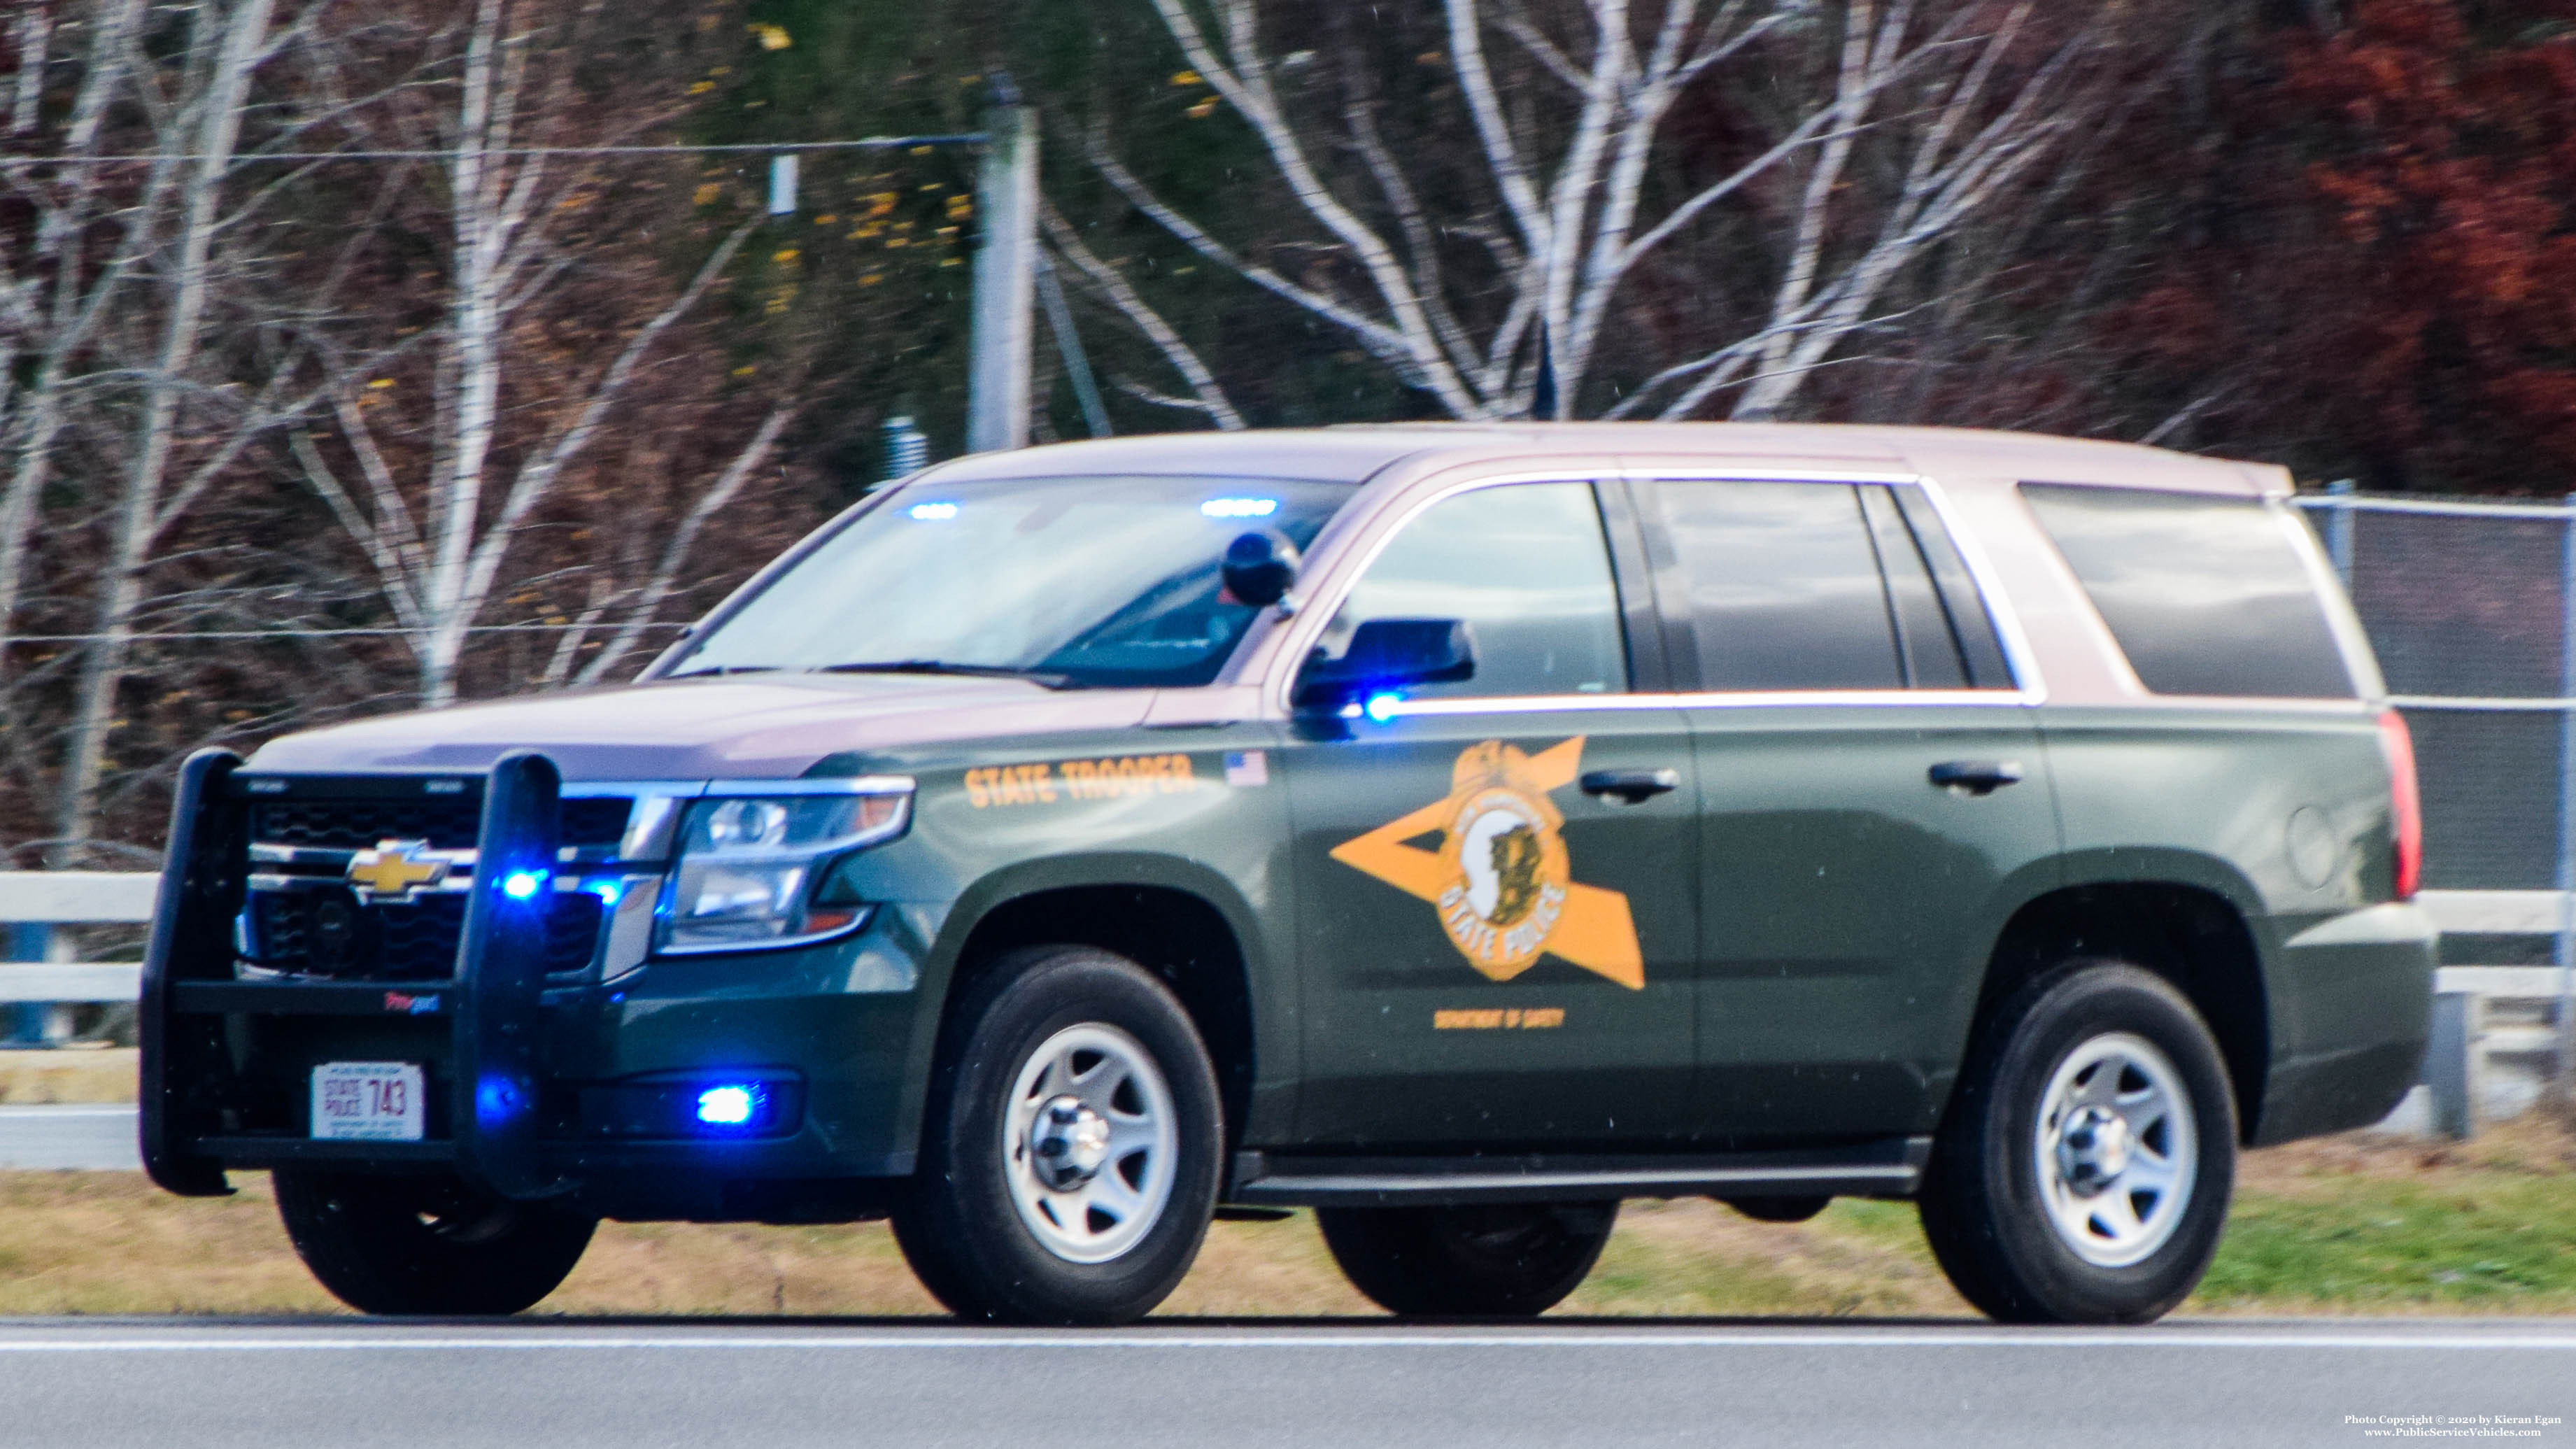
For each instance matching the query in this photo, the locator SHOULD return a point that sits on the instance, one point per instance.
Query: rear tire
(2083, 1172)
(402, 1246)
(1069, 1155)
(1500, 1260)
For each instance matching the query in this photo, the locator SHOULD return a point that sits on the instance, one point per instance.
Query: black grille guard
(494, 998)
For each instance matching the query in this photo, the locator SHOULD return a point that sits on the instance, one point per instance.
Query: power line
(864, 143)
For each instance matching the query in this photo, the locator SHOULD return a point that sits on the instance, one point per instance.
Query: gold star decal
(1501, 880)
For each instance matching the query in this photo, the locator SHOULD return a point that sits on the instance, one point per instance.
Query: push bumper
(587, 1094)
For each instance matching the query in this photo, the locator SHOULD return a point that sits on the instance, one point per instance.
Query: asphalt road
(98, 1138)
(569, 1385)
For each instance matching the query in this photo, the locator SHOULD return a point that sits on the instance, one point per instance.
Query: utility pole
(1006, 202)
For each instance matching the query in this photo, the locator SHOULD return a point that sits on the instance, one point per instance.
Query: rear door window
(1821, 586)
(2206, 594)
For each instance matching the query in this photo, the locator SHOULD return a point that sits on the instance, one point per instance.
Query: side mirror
(1390, 654)
(1260, 567)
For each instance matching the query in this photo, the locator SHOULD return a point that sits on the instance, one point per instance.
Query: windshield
(1075, 582)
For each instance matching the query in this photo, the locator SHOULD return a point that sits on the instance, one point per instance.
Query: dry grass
(2341, 1225)
(99, 1074)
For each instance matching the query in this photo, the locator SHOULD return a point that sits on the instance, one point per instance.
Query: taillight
(2405, 810)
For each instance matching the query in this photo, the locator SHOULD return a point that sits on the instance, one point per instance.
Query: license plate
(367, 1101)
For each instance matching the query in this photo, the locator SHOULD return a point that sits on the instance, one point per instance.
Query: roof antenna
(1543, 391)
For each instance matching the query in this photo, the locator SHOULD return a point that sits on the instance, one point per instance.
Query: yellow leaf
(745, 371)
(708, 193)
(786, 255)
(699, 88)
(954, 262)
(1202, 110)
(1188, 78)
(826, 219)
(381, 382)
(772, 37)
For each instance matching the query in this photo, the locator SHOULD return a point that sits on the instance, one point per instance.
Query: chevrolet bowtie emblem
(396, 869)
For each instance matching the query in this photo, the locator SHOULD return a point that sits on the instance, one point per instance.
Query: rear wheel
(400, 1245)
(1070, 1153)
(1496, 1260)
(2083, 1173)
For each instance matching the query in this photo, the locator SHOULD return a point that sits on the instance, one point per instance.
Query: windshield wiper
(941, 666)
(725, 669)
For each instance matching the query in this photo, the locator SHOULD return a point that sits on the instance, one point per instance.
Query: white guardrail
(74, 898)
(2486, 1016)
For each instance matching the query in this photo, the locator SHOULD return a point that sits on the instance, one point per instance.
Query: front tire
(1071, 1148)
(402, 1246)
(1501, 1260)
(2084, 1170)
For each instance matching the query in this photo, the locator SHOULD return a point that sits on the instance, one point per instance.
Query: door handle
(1976, 777)
(1632, 787)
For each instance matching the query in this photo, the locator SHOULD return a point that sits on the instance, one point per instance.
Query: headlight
(749, 865)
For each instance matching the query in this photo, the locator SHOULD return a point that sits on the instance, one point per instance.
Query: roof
(1353, 453)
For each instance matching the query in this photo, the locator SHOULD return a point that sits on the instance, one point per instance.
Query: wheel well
(2191, 937)
(1179, 937)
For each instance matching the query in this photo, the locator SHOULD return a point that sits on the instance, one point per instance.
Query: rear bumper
(2352, 1007)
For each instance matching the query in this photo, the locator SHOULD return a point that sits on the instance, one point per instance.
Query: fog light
(519, 885)
(728, 1106)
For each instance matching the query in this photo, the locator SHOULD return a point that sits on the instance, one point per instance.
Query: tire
(2043, 1204)
(1500, 1260)
(1071, 1146)
(404, 1245)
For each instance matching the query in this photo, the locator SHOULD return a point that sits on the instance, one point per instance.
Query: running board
(1888, 1167)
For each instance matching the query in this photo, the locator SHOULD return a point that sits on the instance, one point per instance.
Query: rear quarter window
(2205, 594)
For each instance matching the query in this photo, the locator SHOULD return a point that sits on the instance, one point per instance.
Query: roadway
(706, 1385)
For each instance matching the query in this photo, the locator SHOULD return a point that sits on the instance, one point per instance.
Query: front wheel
(1070, 1153)
(1501, 1260)
(2084, 1170)
(401, 1245)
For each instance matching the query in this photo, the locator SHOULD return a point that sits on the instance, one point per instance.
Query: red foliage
(2434, 286)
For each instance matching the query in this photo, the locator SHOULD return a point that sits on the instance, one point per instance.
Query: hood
(705, 729)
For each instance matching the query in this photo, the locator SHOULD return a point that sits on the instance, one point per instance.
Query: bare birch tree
(188, 420)
(1884, 124)
(436, 543)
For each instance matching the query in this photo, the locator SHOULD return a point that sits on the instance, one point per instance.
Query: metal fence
(2471, 608)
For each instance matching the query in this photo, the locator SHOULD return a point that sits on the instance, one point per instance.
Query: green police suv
(1454, 830)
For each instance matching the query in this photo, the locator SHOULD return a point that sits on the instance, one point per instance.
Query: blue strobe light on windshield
(1240, 507)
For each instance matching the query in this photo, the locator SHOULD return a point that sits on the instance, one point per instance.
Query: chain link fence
(2472, 610)
(2469, 607)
